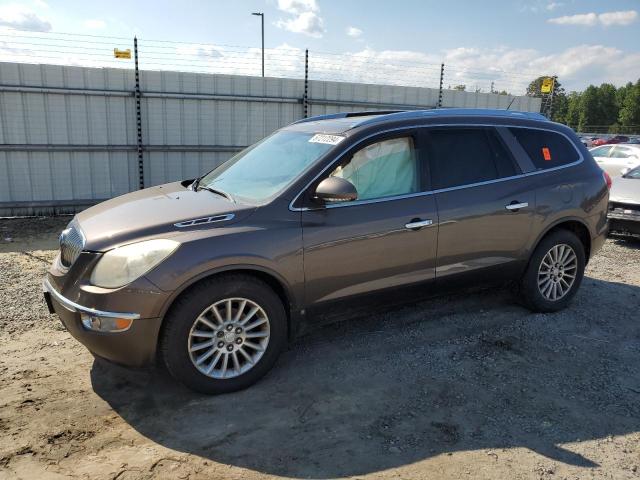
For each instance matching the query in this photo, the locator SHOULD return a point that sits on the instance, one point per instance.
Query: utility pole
(261, 15)
(553, 93)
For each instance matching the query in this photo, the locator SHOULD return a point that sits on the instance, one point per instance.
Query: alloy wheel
(557, 272)
(229, 338)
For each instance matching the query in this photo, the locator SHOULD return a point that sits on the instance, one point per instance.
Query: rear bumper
(625, 225)
(133, 347)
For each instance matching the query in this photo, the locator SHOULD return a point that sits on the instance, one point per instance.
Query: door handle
(516, 206)
(415, 224)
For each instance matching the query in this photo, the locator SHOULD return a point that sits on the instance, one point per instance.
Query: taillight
(607, 179)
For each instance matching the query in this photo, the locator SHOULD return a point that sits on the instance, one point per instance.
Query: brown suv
(215, 275)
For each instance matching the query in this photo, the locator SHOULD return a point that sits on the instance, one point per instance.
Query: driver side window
(382, 169)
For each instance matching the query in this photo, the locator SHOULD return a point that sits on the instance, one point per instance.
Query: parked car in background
(587, 141)
(614, 158)
(328, 215)
(610, 140)
(634, 141)
(624, 203)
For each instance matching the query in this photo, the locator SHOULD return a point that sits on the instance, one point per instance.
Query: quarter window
(463, 156)
(382, 169)
(546, 149)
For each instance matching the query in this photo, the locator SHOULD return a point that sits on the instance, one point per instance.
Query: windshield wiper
(194, 185)
(217, 192)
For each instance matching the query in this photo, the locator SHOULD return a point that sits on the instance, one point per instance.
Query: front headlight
(123, 265)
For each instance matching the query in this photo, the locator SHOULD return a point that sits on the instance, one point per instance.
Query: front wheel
(224, 334)
(554, 273)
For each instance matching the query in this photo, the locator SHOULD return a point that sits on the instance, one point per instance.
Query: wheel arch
(573, 224)
(271, 278)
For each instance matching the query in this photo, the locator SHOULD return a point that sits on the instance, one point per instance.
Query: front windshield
(635, 173)
(266, 168)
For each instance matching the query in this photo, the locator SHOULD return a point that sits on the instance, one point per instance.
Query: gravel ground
(466, 386)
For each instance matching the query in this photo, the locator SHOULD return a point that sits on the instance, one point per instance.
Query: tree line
(597, 109)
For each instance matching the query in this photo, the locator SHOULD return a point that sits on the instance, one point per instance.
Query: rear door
(386, 238)
(485, 208)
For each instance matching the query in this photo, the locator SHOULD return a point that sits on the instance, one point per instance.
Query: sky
(401, 42)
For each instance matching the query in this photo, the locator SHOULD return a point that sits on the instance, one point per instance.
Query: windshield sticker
(328, 139)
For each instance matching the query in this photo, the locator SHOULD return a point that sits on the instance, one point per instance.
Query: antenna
(510, 103)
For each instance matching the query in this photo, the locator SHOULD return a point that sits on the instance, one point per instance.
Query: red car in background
(608, 141)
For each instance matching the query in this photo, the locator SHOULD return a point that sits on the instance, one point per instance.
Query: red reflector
(607, 178)
(546, 153)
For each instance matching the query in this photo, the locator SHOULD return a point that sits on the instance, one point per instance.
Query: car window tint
(620, 152)
(382, 169)
(546, 149)
(602, 151)
(462, 156)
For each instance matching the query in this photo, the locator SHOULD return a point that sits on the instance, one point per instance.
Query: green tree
(559, 108)
(559, 104)
(574, 106)
(598, 107)
(629, 115)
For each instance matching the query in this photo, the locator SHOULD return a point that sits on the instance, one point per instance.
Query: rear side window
(546, 149)
(463, 156)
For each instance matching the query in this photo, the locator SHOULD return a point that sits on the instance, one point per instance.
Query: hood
(153, 211)
(625, 190)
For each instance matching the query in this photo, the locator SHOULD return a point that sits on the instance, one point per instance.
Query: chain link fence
(79, 125)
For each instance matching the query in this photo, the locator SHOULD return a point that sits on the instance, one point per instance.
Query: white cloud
(553, 5)
(538, 6)
(590, 19)
(41, 4)
(297, 6)
(354, 32)
(509, 69)
(22, 18)
(94, 24)
(303, 17)
(618, 18)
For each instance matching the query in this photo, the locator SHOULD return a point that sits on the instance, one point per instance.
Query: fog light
(105, 324)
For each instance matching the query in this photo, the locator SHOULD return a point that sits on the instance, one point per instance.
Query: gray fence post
(138, 116)
(441, 83)
(305, 98)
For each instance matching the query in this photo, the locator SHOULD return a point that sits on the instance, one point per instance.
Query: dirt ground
(466, 386)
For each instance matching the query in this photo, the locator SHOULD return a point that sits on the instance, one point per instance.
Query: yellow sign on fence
(122, 53)
(547, 85)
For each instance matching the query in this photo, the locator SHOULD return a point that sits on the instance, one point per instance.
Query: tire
(189, 325)
(531, 294)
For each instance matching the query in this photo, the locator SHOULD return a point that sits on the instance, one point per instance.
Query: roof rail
(384, 115)
(453, 112)
(332, 116)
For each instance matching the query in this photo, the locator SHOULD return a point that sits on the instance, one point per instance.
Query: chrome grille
(71, 244)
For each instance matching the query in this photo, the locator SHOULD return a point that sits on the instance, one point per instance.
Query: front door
(385, 238)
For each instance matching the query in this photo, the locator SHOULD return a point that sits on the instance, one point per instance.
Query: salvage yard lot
(464, 386)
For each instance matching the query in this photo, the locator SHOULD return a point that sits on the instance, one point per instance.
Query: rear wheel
(554, 273)
(224, 334)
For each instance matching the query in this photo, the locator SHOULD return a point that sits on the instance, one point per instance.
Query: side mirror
(625, 170)
(336, 189)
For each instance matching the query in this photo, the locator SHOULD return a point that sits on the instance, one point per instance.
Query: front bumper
(134, 347)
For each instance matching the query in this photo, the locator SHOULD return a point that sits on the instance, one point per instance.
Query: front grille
(71, 244)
